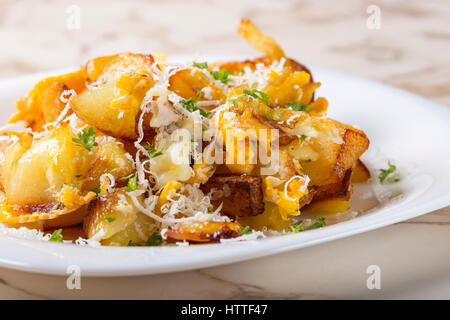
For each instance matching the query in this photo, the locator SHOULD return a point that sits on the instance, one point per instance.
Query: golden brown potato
(118, 219)
(42, 103)
(187, 83)
(206, 231)
(360, 172)
(109, 157)
(334, 159)
(335, 204)
(113, 104)
(261, 42)
(242, 195)
(34, 172)
(109, 214)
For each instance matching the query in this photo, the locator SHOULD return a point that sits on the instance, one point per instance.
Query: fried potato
(205, 231)
(118, 220)
(187, 83)
(109, 208)
(42, 104)
(241, 195)
(113, 104)
(360, 172)
(261, 42)
(34, 172)
(335, 204)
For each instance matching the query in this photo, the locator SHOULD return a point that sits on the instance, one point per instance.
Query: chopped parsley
(191, 105)
(201, 65)
(56, 236)
(256, 94)
(86, 139)
(97, 191)
(389, 176)
(245, 230)
(154, 240)
(110, 219)
(132, 181)
(131, 243)
(74, 185)
(268, 116)
(298, 106)
(152, 151)
(319, 223)
(221, 76)
(302, 138)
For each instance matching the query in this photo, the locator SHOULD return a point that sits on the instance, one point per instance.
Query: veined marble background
(411, 50)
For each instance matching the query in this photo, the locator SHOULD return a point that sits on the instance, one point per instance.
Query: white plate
(410, 130)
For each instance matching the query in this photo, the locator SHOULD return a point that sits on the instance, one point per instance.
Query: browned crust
(360, 172)
(334, 190)
(355, 144)
(223, 233)
(243, 195)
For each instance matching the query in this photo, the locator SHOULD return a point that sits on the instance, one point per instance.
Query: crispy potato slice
(109, 214)
(336, 204)
(261, 42)
(38, 175)
(334, 190)
(242, 195)
(206, 231)
(42, 103)
(100, 108)
(15, 217)
(33, 172)
(110, 157)
(360, 172)
(119, 220)
(187, 83)
(112, 67)
(113, 104)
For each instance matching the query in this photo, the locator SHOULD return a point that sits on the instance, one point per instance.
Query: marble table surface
(410, 50)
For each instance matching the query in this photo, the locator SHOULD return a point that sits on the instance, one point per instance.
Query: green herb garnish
(131, 243)
(245, 230)
(154, 240)
(221, 76)
(191, 105)
(389, 176)
(201, 65)
(256, 94)
(302, 138)
(152, 151)
(298, 106)
(110, 219)
(319, 223)
(268, 116)
(74, 185)
(97, 191)
(56, 236)
(86, 138)
(132, 181)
